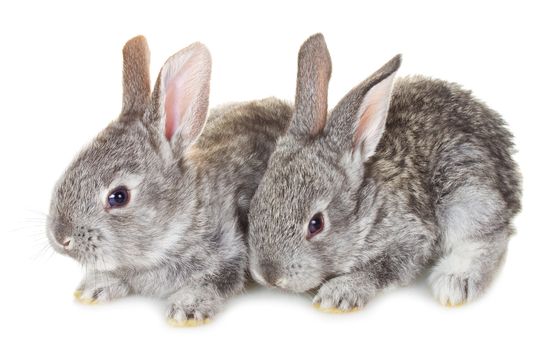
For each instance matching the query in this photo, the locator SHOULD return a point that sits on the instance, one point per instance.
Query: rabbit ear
(314, 69)
(359, 119)
(181, 96)
(136, 77)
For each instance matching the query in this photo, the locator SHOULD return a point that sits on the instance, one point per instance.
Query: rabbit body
(404, 177)
(157, 204)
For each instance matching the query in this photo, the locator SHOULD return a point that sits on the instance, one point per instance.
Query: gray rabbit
(157, 204)
(398, 178)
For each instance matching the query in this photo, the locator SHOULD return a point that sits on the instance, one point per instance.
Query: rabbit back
(449, 160)
(232, 153)
(439, 138)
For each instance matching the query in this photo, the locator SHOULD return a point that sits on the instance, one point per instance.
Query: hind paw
(451, 289)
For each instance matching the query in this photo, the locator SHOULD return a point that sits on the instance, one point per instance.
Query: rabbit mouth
(297, 285)
(293, 282)
(83, 245)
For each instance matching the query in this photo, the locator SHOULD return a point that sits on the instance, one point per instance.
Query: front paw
(88, 296)
(91, 293)
(191, 311)
(342, 294)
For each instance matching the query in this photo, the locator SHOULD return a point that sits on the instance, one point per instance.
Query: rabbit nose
(270, 272)
(67, 243)
(61, 232)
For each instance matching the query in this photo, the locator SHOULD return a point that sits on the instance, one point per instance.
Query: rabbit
(157, 204)
(396, 179)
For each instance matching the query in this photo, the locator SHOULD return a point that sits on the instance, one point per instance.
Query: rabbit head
(309, 212)
(124, 200)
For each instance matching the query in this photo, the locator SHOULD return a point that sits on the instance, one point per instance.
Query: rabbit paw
(342, 294)
(451, 289)
(93, 293)
(89, 297)
(191, 311)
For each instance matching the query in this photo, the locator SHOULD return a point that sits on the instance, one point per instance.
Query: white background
(60, 84)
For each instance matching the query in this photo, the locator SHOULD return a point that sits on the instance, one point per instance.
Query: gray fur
(314, 71)
(440, 190)
(136, 76)
(182, 235)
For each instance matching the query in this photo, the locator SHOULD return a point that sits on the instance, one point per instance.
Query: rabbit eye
(119, 197)
(316, 225)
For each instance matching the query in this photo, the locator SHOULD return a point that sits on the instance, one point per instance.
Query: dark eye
(316, 225)
(119, 197)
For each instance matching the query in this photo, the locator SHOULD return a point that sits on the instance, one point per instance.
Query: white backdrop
(60, 84)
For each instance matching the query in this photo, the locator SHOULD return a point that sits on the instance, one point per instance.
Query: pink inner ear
(186, 95)
(181, 99)
(178, 99)
(367, 122)
(171, 111)
(372, 114)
